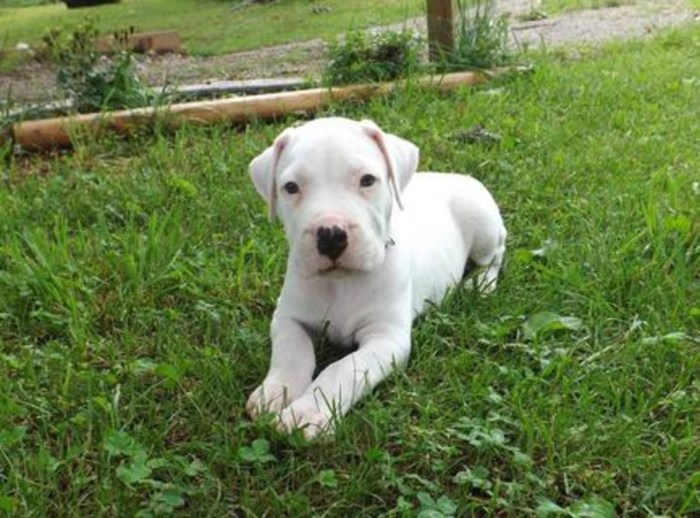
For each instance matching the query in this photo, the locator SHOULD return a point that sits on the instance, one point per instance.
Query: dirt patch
(34, 82)
(304, 59)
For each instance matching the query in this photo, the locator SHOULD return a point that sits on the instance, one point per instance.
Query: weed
(167, 480)
(257, 453)
(92, 81)
(431, 508)
(482, 37)
(327, 478)
(367, 57)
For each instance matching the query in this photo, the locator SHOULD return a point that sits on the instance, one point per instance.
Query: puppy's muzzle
(331, 241)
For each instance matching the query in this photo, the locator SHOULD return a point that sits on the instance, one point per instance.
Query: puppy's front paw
(305, 415)
(270, 397)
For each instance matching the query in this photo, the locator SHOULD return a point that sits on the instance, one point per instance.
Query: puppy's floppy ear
(401, 157)
(263, 171)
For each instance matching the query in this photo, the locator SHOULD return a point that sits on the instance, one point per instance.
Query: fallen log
(59, 131)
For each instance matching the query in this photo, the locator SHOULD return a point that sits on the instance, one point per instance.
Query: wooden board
(158, 42)
(245, 86)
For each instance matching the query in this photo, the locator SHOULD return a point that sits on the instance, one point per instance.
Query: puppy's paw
(270, 397)
(306, 416)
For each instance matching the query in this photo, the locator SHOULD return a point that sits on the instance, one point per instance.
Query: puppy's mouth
(334, 270)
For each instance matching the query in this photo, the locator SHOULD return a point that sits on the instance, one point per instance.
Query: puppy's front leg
(346, 381)
(291, 368)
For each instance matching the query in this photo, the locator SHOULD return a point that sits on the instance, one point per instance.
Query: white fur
(396, 260)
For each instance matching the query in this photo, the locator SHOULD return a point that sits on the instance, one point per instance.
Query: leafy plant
(257, 453)
(93, 81)
(138, 471)
(482, 37)
(443, 507)
(366, 57)
(546, 321)
(327, 478)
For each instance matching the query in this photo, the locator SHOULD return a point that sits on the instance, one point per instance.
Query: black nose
(331, 241)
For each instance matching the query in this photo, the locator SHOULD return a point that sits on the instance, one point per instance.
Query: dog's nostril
(331, 241)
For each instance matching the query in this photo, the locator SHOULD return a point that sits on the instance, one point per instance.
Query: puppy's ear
(401, 157)
(263, 171)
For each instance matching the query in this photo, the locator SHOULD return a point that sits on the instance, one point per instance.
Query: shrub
(91, 80)
(367, 57)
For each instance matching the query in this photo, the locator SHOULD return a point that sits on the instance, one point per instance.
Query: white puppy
(370, 243)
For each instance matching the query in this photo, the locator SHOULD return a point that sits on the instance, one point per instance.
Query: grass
(211, 26)
(558, 6)
(137, 281)
(23, 3)
(555, 6)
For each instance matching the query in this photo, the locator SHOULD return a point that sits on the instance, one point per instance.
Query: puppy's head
(333, 183)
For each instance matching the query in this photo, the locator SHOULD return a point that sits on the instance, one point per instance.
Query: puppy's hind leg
(489, 258)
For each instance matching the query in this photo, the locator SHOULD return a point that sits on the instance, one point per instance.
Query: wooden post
(442, 18)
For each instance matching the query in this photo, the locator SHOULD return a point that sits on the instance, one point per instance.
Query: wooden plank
(442, 21)
(158, 42)
(59, 131)
(245, 86)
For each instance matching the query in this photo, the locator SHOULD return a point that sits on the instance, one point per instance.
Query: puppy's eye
(367, 180)
(291, 187)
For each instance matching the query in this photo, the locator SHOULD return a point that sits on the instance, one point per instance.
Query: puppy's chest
(326, 332)
(337, 325)
(335, 316)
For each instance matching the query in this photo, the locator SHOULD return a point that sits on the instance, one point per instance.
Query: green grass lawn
(555, 6)
(211, 26)
(137, 281)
